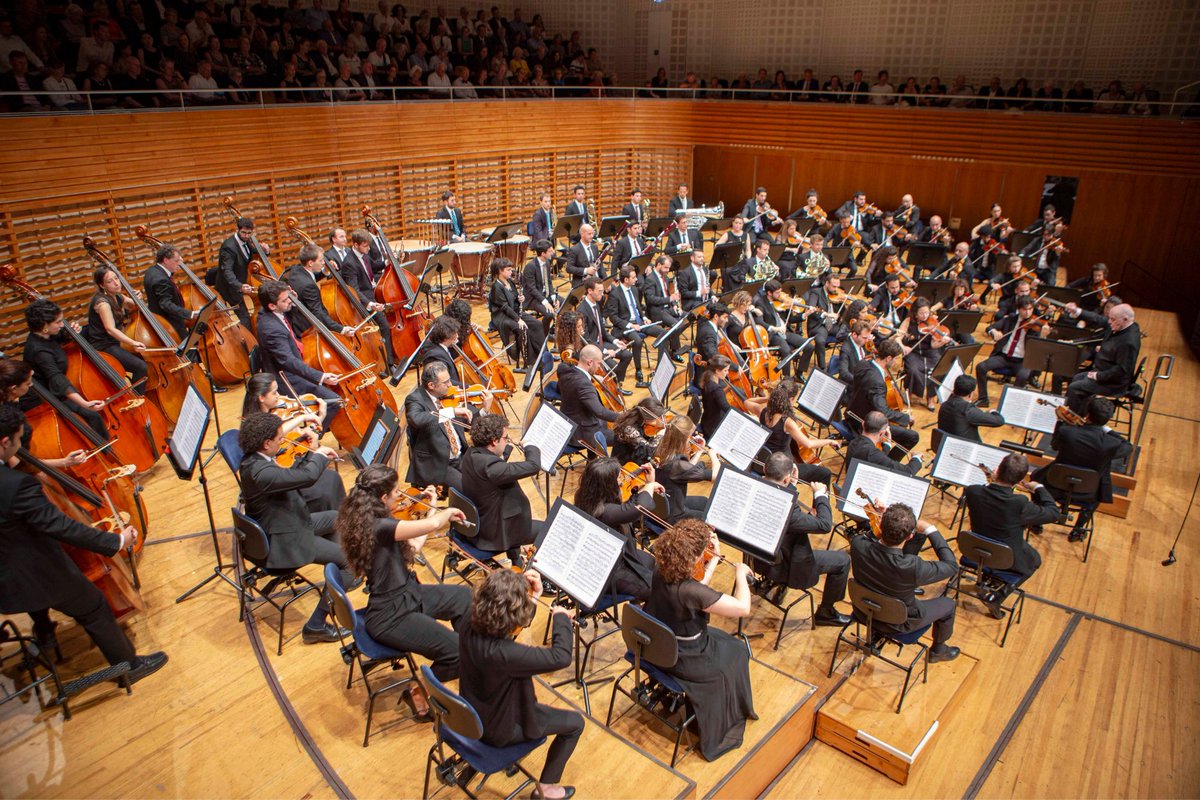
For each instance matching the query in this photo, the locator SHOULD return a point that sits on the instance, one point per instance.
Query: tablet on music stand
(664, 373)
(379, 443)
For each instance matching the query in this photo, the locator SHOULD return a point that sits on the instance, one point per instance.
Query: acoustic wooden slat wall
(62, 177)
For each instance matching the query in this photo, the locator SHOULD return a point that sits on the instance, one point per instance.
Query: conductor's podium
(860, 717)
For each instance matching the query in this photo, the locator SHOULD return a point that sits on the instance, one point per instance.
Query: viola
(398, 289)
(800, 454)
(168, 373)
(874, 512)
(633, 478)
(138, 427)
(228, 343)
(819, 214)
(473, 394)
(1064, 413)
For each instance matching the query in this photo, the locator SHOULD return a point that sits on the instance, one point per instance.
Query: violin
(937, 331)
(819, 214)
(228, 343)
(869, 209)
(993, 245)
(411, 503)
(398, 289)
(138, 428)
(633, 478)
(1064, 413)
(1102, 289)
(874, 512)
(473, 394)
(851, 235)
(943, 235)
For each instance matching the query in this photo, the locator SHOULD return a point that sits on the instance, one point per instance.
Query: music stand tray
(611, 226)
(1063, 294)
(963, 353)
(568, 227)
(798, 287)
(804, 225)
(725, 256)
(717, 226)
(1047, 355)
(925, 255)
(853, 286)
(504, 232)
(655, 225)
(776, 251)
(961, 321)
(838, 256)
(934, 288)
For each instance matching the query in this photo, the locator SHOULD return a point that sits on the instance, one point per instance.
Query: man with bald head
(580, 399)
(582, 258)
(1114, 363)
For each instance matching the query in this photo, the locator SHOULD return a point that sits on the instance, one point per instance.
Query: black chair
(981, 558)
(652, 650)
(576, 455)
(1072, 485)
(459, 540)
(1125, 402)
(362, 650)
(943, 488)
(458, 727)
(231, 451)
(774, 595)
(874, 607)
(282, 587)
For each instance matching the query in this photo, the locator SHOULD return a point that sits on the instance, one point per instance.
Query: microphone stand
(1170, 559)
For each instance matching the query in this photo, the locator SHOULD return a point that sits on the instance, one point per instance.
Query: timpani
(470, 266)
(513, 249)
(417, 250)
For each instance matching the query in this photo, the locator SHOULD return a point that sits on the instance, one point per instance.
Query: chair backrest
(451, 710)
(1074, 480)
(457, 499)
(252, 539)
(984, 551)
(601, 444)
(648, 638)
(876, 606)
(935, 439)
(339, 602)
(231, 451)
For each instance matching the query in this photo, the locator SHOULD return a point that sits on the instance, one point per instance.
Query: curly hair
(779, 403)
(41, 313)
(356, 517)
(638, 415)
(13, 373)
(258, 429)
(566, 332)
(675, 438)
(501, 605)
(487, 429)
(897, 524)
(739, 300)
(460, 310)
(678, 549)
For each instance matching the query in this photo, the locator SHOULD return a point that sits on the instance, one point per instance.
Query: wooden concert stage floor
(1095, 694)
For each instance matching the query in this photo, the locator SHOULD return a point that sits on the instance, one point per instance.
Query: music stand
(717, 226)
(749, 288)
(838, 256)
(1063, 294)
(798, 287)
(853, 286)
(925, 255)
(1019, 241)
(656, 225)
(611, 226)
(1047, 355)
(439, 261)
(776, 251)
(963, 353)
(639, 262)
(1070, 333)
(663, 377)
(725, 256)
(961, 322)
(192, 342)
(804, 225)
(934, 288)
(380, 441)
(183, 454)
(567, 227)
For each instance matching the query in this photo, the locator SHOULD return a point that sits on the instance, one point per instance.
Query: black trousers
(619, 363)
(1082, 389)
(999, 361)
(814, 473)
(328, 551)
(566, 727)
(835, 566)
(333, 401)
(666, 320)
(93, 418)
(785, 345)
(87, 606)
(420, 632)
(133, 364)
(535, 336)
(820, 337)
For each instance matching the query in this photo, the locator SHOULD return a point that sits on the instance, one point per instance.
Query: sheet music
(957, 461)
(189, 429)
(821, 395)
(549, 431)
(577, 553)
(738, 438)
(750, 511)
(1020, 407)
(660, 384)
(883, 486)
(946, 387)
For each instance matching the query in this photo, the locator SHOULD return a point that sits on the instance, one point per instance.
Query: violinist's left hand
(1092, 374)
(430, 494)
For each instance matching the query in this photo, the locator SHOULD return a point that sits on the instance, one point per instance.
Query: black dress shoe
(568, 791)
(1036, 530)
(946, 653)
(641, 383)
(325, 633)
(830, 619)
(1076, 535)
(625, 392)
(145, 665)
(220, 389)
(994, 609)
(919, 591)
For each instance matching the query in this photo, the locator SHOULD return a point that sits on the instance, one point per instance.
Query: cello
(138, 428)
(764, 365)
(228, 343)
(398, 289)
(346, 307)
(478, 350)
(168, 373)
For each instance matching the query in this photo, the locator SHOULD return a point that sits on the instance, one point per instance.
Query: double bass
(398, 289)
(138, 427)
(168, 373)
(260, 252)
(228, 343)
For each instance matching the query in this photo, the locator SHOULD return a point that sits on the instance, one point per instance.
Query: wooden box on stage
(860, 717)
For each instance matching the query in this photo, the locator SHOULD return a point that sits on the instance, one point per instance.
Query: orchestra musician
(402, 613)
(38, 575)
(692, 282)
(683, 239)
(886, 305)
(855, 208)
(44, 352)
(541, 298)
(713, 400)
(262, 394)
(870, 394)
(1048, 218)
(303, 278)
(1092, 445)
(377, 252)
(599, 495)
(509, 320)
(631, 439)
(751, 269)
(497, 673)
(996, 225)
(108, 314)
(822, 325)
(338, 248)
(624, 311)
(811, 210)
(909, 215)
(616, 352)
(663, 301)
(281, 349)
(456, 231)
(628, 246)
(1048, 252)
(441, 336)
(959, 416)
(854, 351)
(435, 443)
(1096, 278)
(233, 261)
(958, 264)
(356, 272)
(1010, 334)
(578, 207)
(272, 498)
(493, 485)
(891, 565)
(580, 399)
(741, 314)
(840, 236)
(887, 233)
(1008, 303)
(799, 565)
(678, 459)
(680, 201)
(925, 350)
(874, 446)
(736, 235)
(162, 295)
(935, 233)
(581, 258)
(634, 208)
(541, 225)
(998, 512)
(713, 667)
(1114, 364)
(760, 214)
(814, 263)
(779, 417)
(784, 341)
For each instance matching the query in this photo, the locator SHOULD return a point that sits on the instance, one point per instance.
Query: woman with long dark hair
(599, 494)
(677, 467)
(713, 667)
(779, 417)
(16, 379)
(401, 612)
(713, 400)
(108, 313)
(505, 307)
(630, 442)
(924, 353)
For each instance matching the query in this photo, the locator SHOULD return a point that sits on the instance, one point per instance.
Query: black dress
(715, 405)
(634, 570)
(103, 341)
(403, 613)
(505, 308)
(713, 667)
(779, 441)
(919, 363)
(674, 475)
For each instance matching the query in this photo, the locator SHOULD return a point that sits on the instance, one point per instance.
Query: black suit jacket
(581, 402)
(232, 264)
(625, 249)
(594, 330)
(279, 351)
(677, 204)
(537, 287)
(685, 240)
(164, 298)
(864, 449)
(35, 572)
(870, 394)
(1002, 514)
(957, 417)
(505, 518)
(688, 284)
(578, 261)
(848, 361)
(577, 208)
(539, 226)
(1007, 325)
(865, 221)
(456, 216)
(797, 567)
(708, 340)
(1089, 446)
(331, 255)
(428, 442)
(633, 212)
(618, 311)
(357, 275)
(434, 352)
(273, 500)
(658, 303)
(1116, 360)
(305, 284)
(897, 574)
